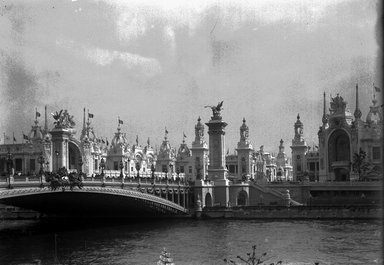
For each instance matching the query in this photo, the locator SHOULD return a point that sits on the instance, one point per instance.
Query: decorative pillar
(216, 169)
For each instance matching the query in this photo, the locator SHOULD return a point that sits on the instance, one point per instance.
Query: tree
(360, 165)
(252, 259)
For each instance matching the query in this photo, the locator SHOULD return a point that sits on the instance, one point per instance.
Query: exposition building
(347, 144)
(52, 148)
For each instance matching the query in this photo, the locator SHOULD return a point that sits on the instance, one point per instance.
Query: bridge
(100, 197)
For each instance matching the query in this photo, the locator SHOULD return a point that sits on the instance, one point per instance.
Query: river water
(190, 241)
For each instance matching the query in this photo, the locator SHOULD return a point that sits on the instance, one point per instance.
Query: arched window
(338, 147)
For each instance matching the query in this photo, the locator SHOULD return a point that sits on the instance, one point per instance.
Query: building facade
(349, 148)
(52, 148)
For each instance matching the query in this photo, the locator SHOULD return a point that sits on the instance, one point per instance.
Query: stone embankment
(294, 212)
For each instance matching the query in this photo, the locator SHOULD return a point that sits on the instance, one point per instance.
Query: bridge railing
(160, 175)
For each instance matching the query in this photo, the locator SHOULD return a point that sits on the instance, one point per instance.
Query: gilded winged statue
(216, 109)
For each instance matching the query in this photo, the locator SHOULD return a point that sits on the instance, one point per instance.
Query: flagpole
(88, 115)
(4, 137)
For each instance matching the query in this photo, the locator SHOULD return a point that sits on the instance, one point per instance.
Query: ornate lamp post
(166, 174)
(9, 168)
(153, 169)
(138, 169)
(102, 166)
(171, 170)
(81, 168)
(178, 173)
(129, 167)
(121, 166)
(47, 166)
(41, 162)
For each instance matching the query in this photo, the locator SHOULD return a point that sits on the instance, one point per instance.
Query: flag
(377, 89)
(102, 140)
(184, 135)
(90, 115)
(25, 137)
(37, 114)
(107, 141)
(14, 139)
(121, 122)
(166, 131)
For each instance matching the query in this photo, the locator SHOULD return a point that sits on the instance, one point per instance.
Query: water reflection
(189, 241)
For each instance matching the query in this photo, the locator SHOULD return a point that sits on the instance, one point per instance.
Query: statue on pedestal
(216, 110)
(63, 119)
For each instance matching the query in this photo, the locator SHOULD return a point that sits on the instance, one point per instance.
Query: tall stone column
(216, 132)
(216, 169)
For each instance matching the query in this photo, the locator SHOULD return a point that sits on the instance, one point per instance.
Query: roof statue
(337, 104)
(63, 119)
(216, 110)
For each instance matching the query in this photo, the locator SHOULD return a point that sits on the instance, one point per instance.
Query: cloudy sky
(157, 64)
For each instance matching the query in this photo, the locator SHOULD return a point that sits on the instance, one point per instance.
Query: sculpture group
(63, 119)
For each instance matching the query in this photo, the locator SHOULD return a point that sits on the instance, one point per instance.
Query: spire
(244, 132)
(281, 146)
(166, 134)
(357, 113)
(46, 121)
(324, 119)
(84, 120)
(298, 130)
(184, 136)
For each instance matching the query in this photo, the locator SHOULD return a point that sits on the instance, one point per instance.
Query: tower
(299, 148)
(244, 153)
(199, 153)
(167, 156)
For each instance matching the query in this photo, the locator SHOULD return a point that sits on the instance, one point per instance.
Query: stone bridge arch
(92, 202)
